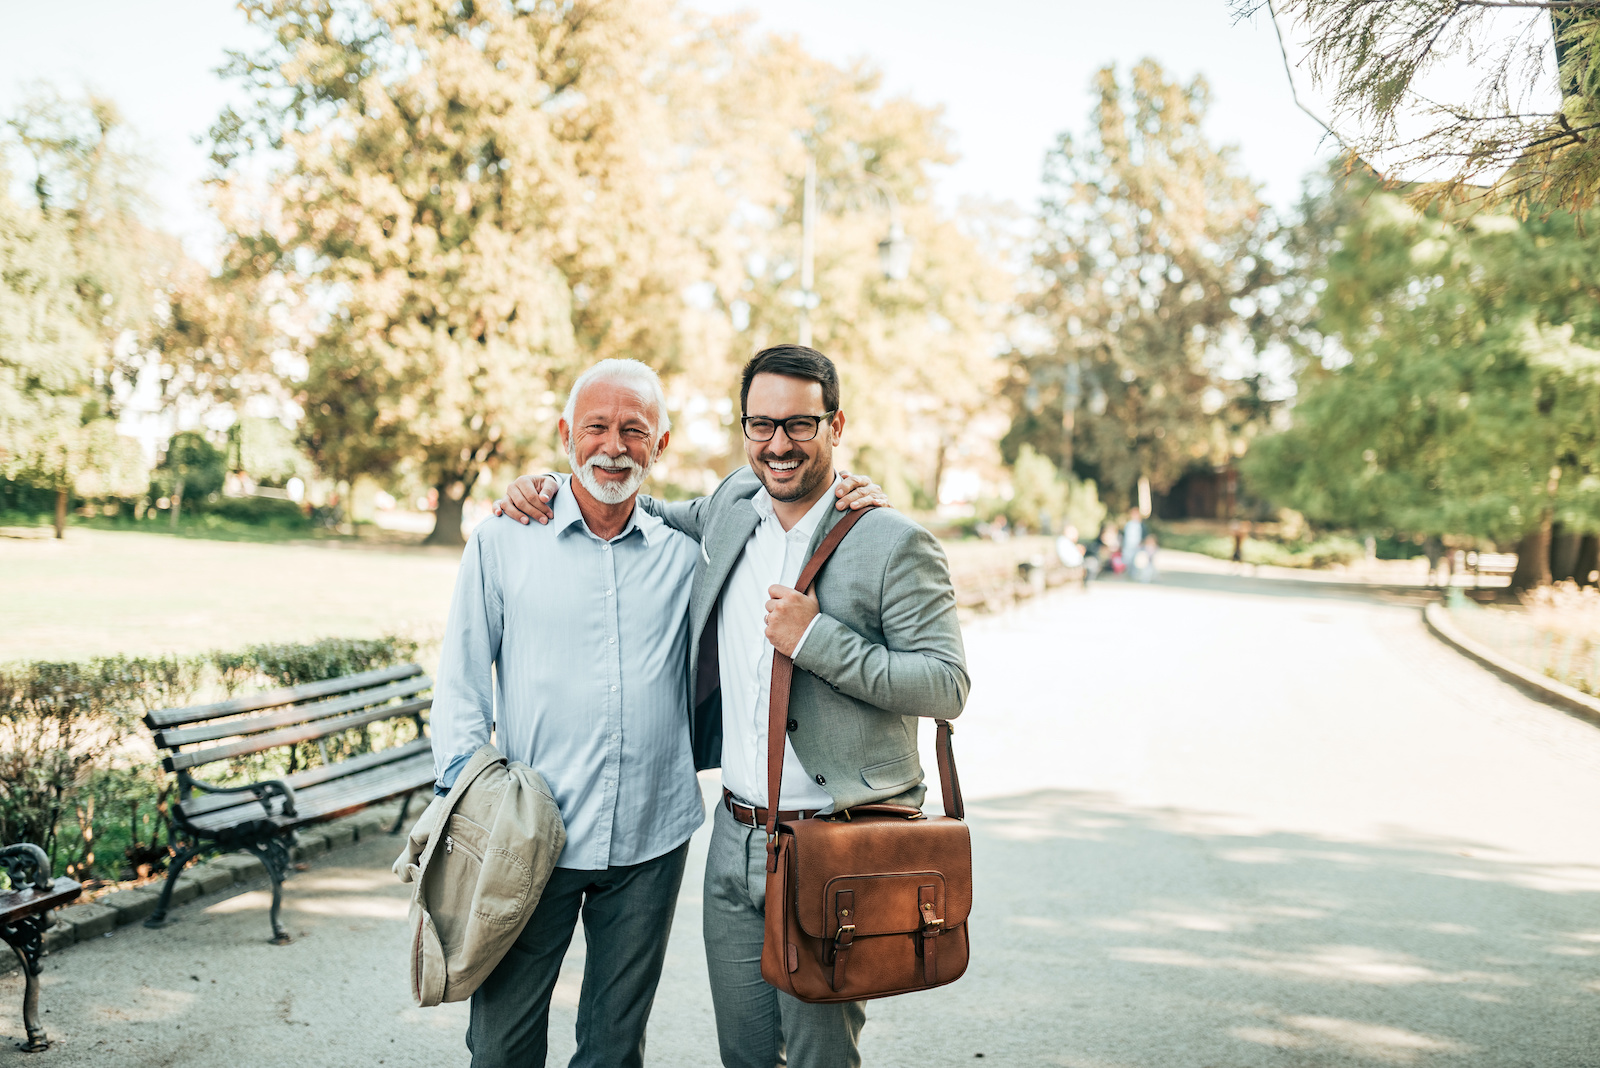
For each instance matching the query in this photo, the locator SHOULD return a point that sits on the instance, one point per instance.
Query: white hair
(630, 373)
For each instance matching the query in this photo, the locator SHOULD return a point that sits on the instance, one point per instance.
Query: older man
(578, 631)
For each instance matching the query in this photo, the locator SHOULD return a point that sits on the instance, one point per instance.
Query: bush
(192, 463)
(78, 776)
(258, 511)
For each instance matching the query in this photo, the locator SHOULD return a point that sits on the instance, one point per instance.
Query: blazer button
(793, 725)
(821, 781)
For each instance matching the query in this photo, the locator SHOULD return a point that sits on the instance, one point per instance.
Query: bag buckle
(844, 937)
(928, 918)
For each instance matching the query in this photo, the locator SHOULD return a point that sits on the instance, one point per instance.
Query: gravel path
(1218, 822)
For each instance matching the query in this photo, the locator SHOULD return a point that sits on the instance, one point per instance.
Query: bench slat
(172, 717)
(300, 780)
(327, 800)
(292, 735)
(169, 739)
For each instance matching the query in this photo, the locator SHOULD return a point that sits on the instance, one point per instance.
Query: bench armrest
(264, 792)
(26, 864)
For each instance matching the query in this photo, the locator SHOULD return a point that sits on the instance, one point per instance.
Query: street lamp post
(894, 251)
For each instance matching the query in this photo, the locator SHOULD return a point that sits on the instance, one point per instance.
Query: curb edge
(63, 933)
(1573, 702)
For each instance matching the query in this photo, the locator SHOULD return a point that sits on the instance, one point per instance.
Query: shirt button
(793, 725)
(821, 781)
(608, 593)
(611, 641)
(613, 689)
(605, 548)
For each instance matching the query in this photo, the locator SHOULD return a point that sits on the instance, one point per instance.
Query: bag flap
(826, 854)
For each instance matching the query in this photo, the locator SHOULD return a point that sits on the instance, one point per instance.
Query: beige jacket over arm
(480, 857)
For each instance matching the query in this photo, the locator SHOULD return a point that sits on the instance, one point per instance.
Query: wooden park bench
(262, 815)
(24, 918)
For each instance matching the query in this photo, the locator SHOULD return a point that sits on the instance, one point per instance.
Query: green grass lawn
(103, 591)
(99, 592)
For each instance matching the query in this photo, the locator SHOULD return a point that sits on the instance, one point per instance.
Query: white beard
(609, 492)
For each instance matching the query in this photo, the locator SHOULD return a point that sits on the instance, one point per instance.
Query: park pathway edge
(1559, 694)
(104, 915)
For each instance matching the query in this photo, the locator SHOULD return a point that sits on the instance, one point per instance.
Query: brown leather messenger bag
(867, 902)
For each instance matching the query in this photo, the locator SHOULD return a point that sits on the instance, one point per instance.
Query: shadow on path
(1112, 937)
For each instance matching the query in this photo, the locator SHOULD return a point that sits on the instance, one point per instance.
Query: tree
(1458, 391)
(81, 258)
(45, 388)
(1156, 267)
(1377, 59)
(916, 355)
(470, 190)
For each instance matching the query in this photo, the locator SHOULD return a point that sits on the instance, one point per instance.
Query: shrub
(259, 511)
(78, 776)
(192, 466)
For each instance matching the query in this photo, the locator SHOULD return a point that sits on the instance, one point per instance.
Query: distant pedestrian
(1110, 548)
(1132, 536)
(1240, 530)
(1143, 567)
(1071, 553)
(1433, 549)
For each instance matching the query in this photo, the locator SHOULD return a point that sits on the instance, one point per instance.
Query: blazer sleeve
(686, 517)
(920, 669)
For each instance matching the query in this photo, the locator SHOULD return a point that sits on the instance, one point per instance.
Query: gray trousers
(627, 915)
(758, 1025)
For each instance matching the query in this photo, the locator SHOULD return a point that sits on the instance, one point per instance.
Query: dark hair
(796, 361)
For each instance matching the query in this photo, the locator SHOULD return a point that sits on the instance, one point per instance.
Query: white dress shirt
(772, 556)
(574, 650)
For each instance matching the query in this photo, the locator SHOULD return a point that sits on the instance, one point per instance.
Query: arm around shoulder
(686, 517)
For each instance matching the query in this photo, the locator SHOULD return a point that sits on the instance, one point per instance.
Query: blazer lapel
(726, 541)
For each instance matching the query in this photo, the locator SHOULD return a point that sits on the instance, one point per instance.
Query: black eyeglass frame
(744, 424)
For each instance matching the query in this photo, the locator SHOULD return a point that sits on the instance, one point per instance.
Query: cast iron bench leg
(26, 938)
(274, 856)
(158, 918)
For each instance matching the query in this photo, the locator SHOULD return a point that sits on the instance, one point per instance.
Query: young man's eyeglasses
(795, 428)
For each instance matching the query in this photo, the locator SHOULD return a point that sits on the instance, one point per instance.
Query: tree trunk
(177, 504)
(1533, 558)
(938, 469)
(63, 498)
(1563, 553)
(447, 515)
(1588, 560)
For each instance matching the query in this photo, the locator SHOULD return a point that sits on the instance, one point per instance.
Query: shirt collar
(566, 515)
(762, 503)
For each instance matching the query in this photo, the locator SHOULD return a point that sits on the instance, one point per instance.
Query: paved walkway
(1245, 824)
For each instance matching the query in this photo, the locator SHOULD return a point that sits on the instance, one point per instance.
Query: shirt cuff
(452, 771)
(804, 635)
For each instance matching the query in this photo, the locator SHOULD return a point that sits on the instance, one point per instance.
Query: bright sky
(1011, 74)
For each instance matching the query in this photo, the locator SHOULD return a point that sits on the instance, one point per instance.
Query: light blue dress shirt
(588, 641)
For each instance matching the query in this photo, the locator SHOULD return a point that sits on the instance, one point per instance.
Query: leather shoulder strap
(783, 674)
(778, 707)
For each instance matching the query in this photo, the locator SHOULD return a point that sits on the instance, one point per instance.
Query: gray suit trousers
(758, 1025)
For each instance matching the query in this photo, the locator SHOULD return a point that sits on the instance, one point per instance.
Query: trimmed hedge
(78, 775)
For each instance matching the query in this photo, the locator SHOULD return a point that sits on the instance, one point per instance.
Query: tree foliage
(1156, 267)
(1458, 389)
(72, 285)
(486, 196)
(1378, 59)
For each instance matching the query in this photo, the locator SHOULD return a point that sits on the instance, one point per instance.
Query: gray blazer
(886, 650)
